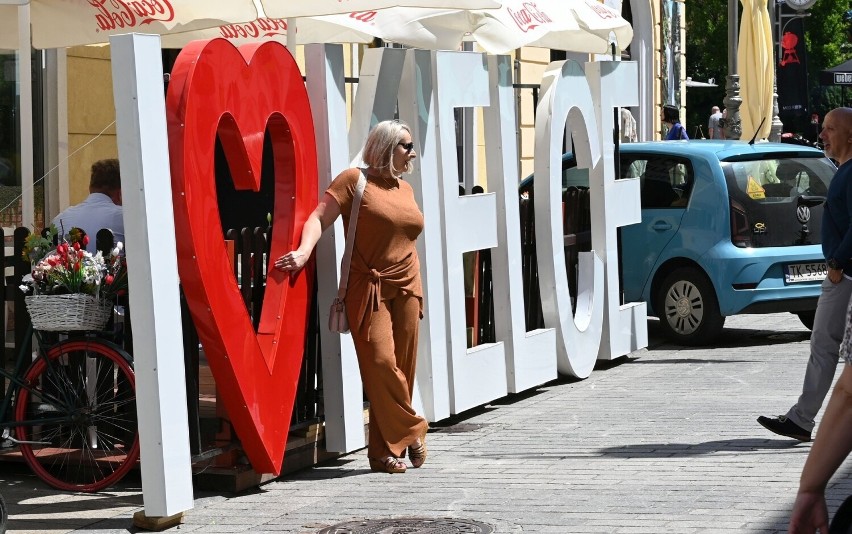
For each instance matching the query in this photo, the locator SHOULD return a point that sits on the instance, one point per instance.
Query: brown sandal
(418, 454)
(388, 464)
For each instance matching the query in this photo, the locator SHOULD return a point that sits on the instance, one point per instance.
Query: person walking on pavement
(671, 118)
(384, 299)
(829, 321)
(713, 129)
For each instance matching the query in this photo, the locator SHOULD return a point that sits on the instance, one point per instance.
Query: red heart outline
(239, 94)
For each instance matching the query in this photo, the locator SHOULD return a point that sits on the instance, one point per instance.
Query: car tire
(688, 309)
(807, 318)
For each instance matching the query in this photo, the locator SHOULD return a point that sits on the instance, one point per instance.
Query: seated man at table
(101, 209)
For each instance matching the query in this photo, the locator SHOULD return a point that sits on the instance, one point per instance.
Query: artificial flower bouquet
(72, 289)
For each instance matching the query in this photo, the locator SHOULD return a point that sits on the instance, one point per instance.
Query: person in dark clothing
(829, 322)
(671, 118)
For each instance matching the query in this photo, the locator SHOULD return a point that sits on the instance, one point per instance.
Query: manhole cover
(412, 525)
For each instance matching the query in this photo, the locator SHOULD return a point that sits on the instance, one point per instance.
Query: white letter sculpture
(566, 97)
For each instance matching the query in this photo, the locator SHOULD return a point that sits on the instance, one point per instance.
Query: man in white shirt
(101, 209)
(714, 129)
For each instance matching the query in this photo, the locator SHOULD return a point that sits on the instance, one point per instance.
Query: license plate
(805, 272)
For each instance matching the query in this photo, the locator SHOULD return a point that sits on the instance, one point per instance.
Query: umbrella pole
(25, 76)
(291, 35)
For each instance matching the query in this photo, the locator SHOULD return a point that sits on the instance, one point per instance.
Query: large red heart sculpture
(240, 94)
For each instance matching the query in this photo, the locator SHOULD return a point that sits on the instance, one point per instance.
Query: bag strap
(350, 236)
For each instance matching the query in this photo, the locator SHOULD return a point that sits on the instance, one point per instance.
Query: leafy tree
(826, 35)
(828, 46)
(706, 57)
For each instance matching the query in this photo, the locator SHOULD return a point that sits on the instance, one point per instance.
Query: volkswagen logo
(803, 213)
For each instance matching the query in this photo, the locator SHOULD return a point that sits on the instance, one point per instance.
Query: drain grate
(410, 525)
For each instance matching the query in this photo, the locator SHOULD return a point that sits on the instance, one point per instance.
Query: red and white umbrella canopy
(311, 8)
(309, 30)
(62, 23)
(575, 25)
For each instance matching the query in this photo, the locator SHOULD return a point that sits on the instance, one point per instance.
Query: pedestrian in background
(714, 130)
(629, 129)
(827, 332)
(671, 118)
(384, 299)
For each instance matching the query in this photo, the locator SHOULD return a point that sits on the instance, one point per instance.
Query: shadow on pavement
(731, 337)
(667, 450)
(688, 360)
(35, 507)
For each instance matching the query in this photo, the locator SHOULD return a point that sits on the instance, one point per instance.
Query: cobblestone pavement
(663, 441)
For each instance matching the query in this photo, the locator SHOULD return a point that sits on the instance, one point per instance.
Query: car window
(779, 180)
(764, 199)
(664, 181)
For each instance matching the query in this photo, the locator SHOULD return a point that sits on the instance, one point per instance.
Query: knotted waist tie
(401, 275)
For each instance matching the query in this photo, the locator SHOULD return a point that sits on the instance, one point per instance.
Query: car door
(665, 187)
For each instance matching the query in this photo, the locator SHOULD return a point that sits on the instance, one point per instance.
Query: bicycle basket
(76, 311)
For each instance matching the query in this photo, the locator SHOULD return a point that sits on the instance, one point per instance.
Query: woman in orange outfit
(384, 298)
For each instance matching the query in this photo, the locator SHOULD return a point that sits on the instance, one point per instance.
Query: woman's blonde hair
(381, 142)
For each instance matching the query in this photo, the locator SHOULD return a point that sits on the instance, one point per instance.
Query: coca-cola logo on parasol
(257, 28)
(363, 16)
(602, 11)
(528, 18)
(117, 14)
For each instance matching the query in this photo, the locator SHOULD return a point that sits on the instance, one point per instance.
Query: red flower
(76, 246)
(109, 278)
(85, 240)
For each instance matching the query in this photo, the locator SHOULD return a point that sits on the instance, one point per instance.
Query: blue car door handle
(661, 226)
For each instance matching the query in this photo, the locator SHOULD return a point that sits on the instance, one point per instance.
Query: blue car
(727, 227)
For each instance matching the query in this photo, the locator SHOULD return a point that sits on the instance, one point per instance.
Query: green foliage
(706, 57)
(825, 35)
(707, 54)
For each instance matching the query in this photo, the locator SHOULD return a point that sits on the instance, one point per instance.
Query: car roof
(720, 149)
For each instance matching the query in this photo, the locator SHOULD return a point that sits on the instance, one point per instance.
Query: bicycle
(74, 415)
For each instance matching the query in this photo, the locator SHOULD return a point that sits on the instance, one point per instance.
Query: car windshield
(767, 193)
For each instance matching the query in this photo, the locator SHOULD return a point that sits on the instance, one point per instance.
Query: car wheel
(807, 318)
(688, 309)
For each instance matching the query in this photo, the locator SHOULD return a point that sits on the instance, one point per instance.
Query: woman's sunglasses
(407, 146)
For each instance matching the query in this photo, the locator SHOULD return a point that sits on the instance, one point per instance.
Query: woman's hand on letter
(292, 261)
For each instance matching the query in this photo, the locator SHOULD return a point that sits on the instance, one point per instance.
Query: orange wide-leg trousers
(387, 362)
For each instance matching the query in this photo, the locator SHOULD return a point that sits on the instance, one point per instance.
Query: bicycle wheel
(84, 393)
